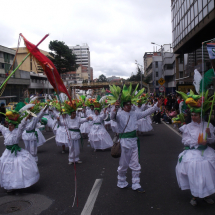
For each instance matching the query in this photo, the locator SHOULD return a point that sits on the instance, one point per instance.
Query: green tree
(102, 78)
(62, 57)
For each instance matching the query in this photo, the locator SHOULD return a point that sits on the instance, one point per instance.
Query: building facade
(18, 82)
(29, 65)
(193, 22)
(83, 57)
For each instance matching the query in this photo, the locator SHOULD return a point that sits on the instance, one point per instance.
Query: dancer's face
(96, 112)
(11, 127)
(196, 117)
(127, 107)
(92, 107)
(73, 115)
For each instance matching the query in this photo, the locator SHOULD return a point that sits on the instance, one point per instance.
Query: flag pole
(22, 60)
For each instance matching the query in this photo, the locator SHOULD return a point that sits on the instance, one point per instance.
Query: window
(180, 74)
(200, 5)
(205, 11)
(191, 13)
(200, 16)
(195, 9)
(156, 74)
(156, 64)
(156, 83)
(210, 7)
(205, 3)
(2, 66)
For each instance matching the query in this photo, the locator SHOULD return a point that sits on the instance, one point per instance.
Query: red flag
(48, 67)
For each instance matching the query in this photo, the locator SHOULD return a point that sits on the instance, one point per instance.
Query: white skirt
(18, 171)
(149, 119)
(85, 127)
(61, 136)
(99, 138)
(144, 125)
(196, 172)
(41, 138)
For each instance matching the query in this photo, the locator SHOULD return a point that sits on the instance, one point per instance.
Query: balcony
(169, 72)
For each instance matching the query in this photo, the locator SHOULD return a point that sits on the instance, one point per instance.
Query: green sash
(44, 121)
(78, 130)
(201, 148)
(46, 114)
(131, 134)
(33, 131)
(97, 123)
(14, 148)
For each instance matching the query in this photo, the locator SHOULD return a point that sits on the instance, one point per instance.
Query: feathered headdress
(70, 106)
(194, 102)
(13, 116)
(126, 95)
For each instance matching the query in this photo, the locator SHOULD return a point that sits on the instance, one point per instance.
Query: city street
(159, 153)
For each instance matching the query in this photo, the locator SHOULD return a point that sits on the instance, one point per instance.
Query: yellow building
(29, 65)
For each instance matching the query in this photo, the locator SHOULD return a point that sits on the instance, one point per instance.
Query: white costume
(99, 138)
(32, 136)
(195, 169)
(61, 136)
(74, 137)
(143, 124)
(85, 126)
(129, 149)
(17, 171)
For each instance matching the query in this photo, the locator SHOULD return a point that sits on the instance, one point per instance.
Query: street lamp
(140, 72)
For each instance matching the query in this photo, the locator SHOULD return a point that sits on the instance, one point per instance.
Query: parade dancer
(99, 137)
(195, 169)
(127, 122)
(32, 136)
(73, 123)
(85, 127)
(17, 166)
(143, 124)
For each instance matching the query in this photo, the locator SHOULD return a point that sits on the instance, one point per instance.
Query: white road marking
(92, 197)
(50, 138)
(172, 129)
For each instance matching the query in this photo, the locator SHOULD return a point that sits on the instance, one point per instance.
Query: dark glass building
(193, 22)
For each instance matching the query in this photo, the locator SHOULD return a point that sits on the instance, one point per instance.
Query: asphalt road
(159, 154)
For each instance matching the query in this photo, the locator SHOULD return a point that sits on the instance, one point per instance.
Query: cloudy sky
(118, 32)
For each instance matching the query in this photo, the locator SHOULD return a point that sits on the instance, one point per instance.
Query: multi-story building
(18, 82)
(83, 56)
(193, 22)
(30, 65)
(153, 69)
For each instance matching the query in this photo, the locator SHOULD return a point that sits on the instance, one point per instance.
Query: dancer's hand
(208, 132)
(160, 102)
(89, 118)
(204, 142)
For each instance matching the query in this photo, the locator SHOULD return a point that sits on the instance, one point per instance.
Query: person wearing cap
(18, 168)
(127, 125)
(195, 169)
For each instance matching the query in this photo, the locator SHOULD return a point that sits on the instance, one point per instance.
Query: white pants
(129, 158)
(31, 146)
(74, 150)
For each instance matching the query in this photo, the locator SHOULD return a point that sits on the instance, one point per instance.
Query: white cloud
(117, 32)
